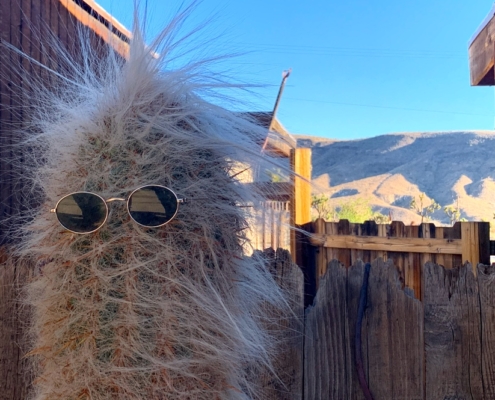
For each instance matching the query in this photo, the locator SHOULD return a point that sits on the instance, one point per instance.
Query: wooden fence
(440, 348)
(409, 247)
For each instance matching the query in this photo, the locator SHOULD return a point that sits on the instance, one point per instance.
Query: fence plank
(395, 337)
(321, 261)
(330, 253)
(486, 281)
(288, 384)
(397, 229)
(452, 333)
(354, 283)
(327, 340)
(392, 336)
(344, 255)
(15, 377)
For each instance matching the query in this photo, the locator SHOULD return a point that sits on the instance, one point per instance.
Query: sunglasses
(150, 206)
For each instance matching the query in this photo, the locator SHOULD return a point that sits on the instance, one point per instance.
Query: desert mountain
(390, 170)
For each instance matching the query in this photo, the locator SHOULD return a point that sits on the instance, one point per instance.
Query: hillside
(390, 170)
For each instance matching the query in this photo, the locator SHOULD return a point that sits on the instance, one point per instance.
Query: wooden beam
(300, 202)
(116, 42)
(300, 162)
(481, 56)
(376, 243)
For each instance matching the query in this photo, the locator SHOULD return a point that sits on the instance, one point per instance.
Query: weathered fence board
(287, 381)
(395, 337)
(440, 348)
(486, 285)
(409, 247)
(326, 358)
(392, 347)
(459, 309)
(15, 375)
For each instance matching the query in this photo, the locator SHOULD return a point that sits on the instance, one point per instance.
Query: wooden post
(300, 203)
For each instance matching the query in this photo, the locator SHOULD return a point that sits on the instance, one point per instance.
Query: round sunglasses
(150, 206)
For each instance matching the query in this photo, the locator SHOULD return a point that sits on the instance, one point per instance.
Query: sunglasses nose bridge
(114, 199)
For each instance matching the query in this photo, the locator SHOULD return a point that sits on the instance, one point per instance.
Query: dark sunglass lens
(82, 212)
(153, 206)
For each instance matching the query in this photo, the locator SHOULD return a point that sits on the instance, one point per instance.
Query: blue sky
(360, 68)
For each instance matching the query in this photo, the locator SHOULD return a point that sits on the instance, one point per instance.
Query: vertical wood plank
(397, 229)
(354, 283)
(15, 375)
(470, 244)
(414, 269)
(330, 253)
(328, 365)
(300, 163)
(5, 114)
(321, 256)
(439, 258)
(395, 337)
(486, 281)
(356, 254)
(484, 242)
(344, 255)
(287, 384)
(452, 333)
(382, 232)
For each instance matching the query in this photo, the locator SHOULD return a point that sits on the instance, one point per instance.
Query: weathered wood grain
(410, 247)
(395, 336)
(377, 244)
(486, 285)
(287, 381)
(15, 375)
(326, 347)
(452, 333)
(354, 283)
(481, 56)
(392, 332)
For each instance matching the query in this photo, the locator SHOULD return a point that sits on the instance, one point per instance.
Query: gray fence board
(486, 285)
(392, 345)
(287, 382)
(452, 334)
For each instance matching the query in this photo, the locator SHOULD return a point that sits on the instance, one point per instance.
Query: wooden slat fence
(440, 348)
(409, 247)
(271, 226)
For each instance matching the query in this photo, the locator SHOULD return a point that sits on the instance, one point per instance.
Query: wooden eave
(482, 53)
(92, 15)
(278, 141)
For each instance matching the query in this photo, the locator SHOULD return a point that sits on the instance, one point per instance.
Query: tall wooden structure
(31, 26)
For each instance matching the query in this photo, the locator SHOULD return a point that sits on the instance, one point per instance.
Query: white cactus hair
(129, 312)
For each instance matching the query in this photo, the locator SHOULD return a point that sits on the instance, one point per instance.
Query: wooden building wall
(31, 26)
